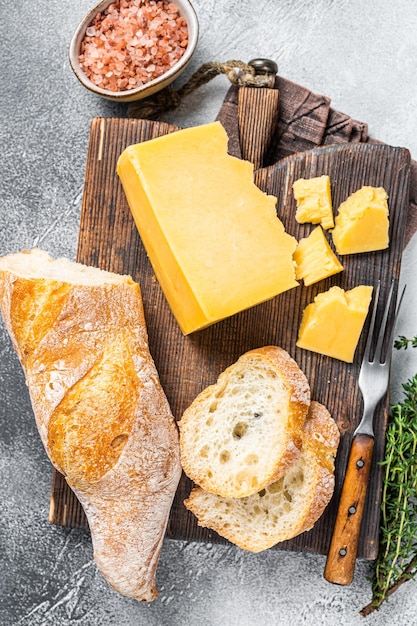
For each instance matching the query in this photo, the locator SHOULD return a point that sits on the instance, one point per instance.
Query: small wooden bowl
(186, 10)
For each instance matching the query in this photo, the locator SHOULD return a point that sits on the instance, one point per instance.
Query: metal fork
(373, 383)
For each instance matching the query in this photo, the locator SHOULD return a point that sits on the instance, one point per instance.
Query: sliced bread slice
(245, 431)
(287, 507)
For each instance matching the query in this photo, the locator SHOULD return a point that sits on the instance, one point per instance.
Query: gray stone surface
(361, 54)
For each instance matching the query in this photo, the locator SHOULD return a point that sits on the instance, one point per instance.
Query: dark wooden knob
(264, 66)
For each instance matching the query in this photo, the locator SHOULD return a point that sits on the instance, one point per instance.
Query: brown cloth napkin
(306, 120)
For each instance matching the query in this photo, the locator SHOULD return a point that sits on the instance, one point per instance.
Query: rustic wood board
(108, 239)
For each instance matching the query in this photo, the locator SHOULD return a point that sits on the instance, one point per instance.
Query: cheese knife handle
(340, 564)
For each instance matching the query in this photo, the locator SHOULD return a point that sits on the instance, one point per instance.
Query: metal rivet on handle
(264, 66)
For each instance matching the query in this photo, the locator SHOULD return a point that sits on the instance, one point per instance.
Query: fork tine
(371, 325)
(397, 311)
(381, 336)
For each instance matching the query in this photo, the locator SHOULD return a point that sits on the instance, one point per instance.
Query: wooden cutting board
(108, 239)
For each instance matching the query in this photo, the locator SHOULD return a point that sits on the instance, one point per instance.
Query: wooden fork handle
(340, 564)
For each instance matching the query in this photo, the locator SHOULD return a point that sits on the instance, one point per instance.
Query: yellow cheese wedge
(314, 258)
(314, 201)
(333, 323)
(213, 237)
(362, 223)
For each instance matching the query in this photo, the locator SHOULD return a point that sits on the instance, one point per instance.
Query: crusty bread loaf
(245, 431)
(102, 415)
(285, 508)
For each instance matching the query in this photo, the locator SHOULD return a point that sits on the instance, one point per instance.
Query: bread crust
(288, 438)
(100, 410)
(247, 523)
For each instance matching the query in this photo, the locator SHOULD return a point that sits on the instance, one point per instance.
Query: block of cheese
(314, 258)
(214, 240)
(362, 223)
(314, 201)
(333, 323)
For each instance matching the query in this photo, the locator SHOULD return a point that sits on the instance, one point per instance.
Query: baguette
(101, 412)
(285, 508)
(245, 431)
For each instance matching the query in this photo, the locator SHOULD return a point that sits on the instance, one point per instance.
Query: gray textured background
(361, 54)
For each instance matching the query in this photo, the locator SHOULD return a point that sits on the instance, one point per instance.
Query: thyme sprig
(397, 557)
(403, 342)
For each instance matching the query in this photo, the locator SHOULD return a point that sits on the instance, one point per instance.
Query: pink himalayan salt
(132, 42)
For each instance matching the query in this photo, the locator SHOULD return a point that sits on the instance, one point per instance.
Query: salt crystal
(127, 45)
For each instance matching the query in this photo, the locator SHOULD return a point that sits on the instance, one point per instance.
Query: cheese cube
(314, 201)
(314, 258)
(362, 222)
(214, 240)
(333, 323)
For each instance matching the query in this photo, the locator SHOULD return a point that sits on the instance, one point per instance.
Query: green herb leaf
(403, 342)
(397, 557)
